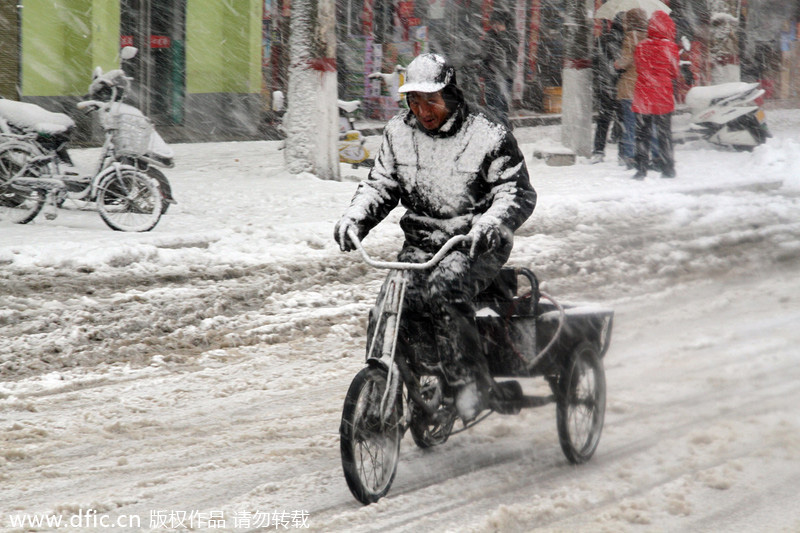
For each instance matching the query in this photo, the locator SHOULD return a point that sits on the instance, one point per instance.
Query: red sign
(405, 10)
(160, 41)
(156, 41)
(367, 17)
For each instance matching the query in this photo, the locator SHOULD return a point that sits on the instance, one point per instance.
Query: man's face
(429, 108)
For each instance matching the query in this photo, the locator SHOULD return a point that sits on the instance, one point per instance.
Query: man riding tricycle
(449, 318)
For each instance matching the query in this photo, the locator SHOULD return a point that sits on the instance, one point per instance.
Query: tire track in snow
(130, 317)
(702, 443)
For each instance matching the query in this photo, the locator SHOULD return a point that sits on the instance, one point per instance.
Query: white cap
(428, 73)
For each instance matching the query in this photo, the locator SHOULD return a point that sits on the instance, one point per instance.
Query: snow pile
(779, 158)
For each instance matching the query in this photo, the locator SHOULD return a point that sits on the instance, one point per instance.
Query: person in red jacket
(658, 66)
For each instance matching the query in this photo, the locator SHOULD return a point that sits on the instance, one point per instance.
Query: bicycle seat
(501, 296)
(348, 106)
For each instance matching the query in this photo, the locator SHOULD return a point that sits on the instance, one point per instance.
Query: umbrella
(612, 7)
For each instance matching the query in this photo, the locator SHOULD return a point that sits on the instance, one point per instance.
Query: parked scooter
(112, 86)
(352, 147)
(352, 143)
(52, 132)
(726, 115)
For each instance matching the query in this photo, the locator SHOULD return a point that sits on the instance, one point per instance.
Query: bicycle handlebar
(398, 265)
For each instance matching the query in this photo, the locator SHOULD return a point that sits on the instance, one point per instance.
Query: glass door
(157, 28)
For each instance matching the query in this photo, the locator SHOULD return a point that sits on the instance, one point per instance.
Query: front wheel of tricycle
(581, 404)
(129, 200)
(370, 439)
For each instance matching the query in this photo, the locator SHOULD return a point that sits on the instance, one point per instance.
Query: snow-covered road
(198, 372)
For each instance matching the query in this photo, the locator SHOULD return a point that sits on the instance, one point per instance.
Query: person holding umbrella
(635, 24)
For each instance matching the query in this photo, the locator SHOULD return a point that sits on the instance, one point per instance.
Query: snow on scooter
(523, 337)
(352, 149)
(725, 115)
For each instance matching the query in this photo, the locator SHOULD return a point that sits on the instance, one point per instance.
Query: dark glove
(485, 238)
(340, 233)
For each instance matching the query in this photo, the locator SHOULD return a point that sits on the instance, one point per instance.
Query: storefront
(207, 69)
(198, 73)
(378, 35)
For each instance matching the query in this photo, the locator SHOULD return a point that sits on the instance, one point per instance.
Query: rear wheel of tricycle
(129, 200)
(370, 439)
(581, 404)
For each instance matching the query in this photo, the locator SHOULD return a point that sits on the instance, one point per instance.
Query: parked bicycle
(36, 172)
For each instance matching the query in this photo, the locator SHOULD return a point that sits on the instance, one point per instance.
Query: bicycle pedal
(506, 398)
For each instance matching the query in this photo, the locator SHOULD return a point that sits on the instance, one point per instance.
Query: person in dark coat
(607, 49)
(499, 64)
(456, 173)
(658, 66)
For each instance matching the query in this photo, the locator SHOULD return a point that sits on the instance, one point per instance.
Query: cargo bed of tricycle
(528, 334)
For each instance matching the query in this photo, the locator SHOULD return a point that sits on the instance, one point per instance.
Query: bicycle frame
(391, 307)
(58, 183)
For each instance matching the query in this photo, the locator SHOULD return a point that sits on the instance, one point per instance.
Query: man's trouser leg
(604, 117)
(445, 293)
(666, 152)
(453, 286)
(627, 144)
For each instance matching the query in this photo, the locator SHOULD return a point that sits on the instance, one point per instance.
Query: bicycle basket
(130, 134)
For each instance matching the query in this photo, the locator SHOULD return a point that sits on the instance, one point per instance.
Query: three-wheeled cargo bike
(526, 334)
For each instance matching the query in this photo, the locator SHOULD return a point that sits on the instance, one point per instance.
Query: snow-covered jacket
(658, 65)
(470, 171)
(635, 32)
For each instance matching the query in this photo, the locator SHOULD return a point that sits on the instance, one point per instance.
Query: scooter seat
(349, 106)
(32, 118)
(699, 98)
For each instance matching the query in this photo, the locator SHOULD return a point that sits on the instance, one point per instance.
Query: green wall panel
(223, 46)
(62, 42)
